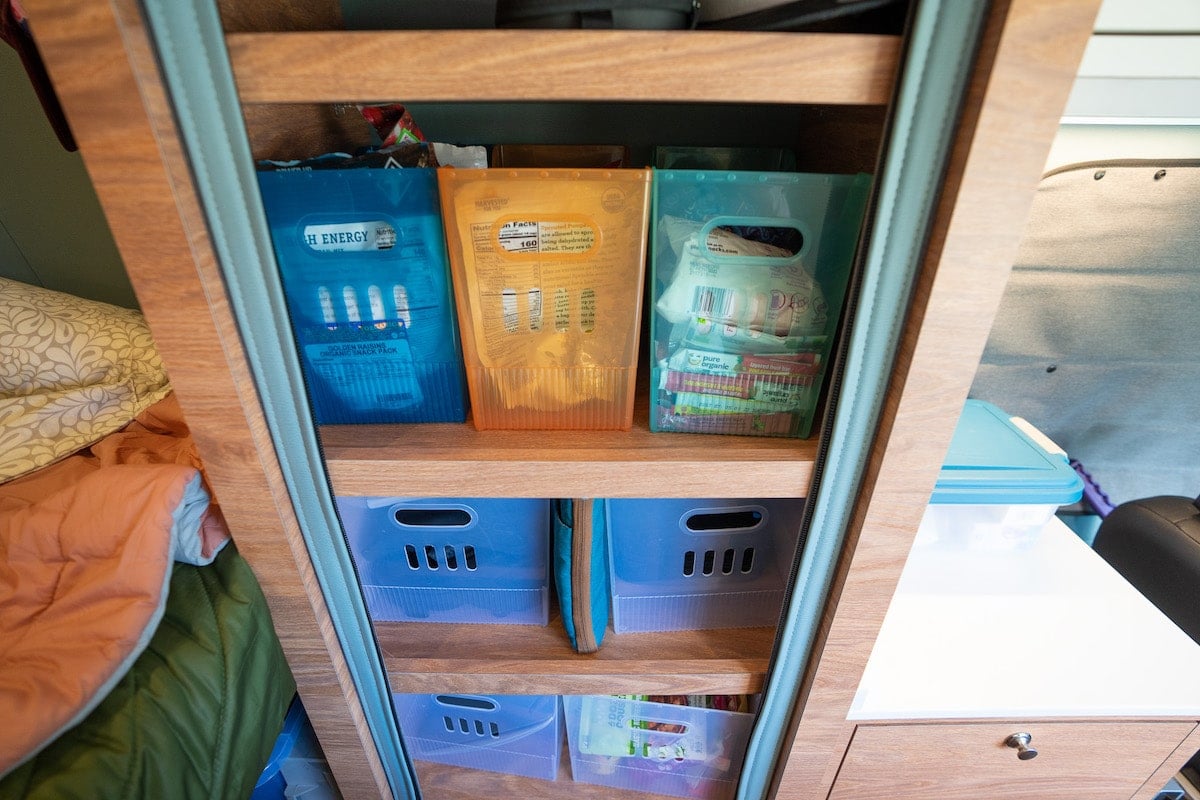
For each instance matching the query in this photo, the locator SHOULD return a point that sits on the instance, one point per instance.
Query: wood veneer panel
(1026, 66)
(534, 659)
(652, 66)
(105, 75)
(965, 761)
(444, 460)
(1167, 770)
(280, 15)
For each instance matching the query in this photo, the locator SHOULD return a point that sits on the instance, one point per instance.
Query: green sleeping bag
(197, 714)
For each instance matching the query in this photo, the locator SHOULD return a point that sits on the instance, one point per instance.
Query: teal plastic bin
(750, 271)
(1001, 481)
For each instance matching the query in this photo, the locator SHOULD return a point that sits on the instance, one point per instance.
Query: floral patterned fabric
(72, 371)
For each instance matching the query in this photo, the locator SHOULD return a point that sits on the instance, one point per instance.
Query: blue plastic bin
(696, 564)
(271, 784)
(297, 767)
(365, 276)
(451, 559)
(513, 734)
(1001, 481)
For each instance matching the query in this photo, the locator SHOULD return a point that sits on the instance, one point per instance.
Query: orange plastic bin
(548, 266)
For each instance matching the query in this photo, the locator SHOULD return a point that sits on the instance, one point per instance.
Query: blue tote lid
(992, 461)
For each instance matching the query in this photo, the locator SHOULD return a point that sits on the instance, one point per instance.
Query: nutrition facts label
(540, 277)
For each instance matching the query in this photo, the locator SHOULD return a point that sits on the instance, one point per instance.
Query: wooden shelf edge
(522, 65)
(649, 678)
(446, 460)
(521, 659)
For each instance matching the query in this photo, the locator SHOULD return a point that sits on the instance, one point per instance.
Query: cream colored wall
(1138, 90)
(52, 231)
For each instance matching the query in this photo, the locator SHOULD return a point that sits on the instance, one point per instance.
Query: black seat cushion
(1155, 544)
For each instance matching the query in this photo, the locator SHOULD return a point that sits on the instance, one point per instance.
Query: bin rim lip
(1032, 476)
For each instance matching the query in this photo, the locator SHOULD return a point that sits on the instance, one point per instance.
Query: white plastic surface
(1043, 629)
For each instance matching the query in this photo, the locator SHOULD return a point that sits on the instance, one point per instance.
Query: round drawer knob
(1020, 741)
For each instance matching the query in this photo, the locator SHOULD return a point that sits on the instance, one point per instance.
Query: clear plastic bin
(362, 259)
(451, 559)
(548, 267)
(513, 734)
(697, 564)
(749, 274)
(656, 747)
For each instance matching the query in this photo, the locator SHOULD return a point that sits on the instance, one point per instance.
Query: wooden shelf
(531, 659)
(452, 460)
(564, 65)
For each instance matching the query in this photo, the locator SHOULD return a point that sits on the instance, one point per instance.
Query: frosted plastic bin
(362, 258)
(696, 564)
(548, 267)
(513, 734)
(451, 559)
(656, 747)
(1001, 481)
(749, 273)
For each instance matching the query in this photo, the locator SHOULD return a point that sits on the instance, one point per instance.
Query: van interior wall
(52, 230)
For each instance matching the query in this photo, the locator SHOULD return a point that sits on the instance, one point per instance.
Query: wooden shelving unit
(638, 77)
(824, 94)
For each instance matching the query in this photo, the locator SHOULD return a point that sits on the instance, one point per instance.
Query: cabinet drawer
(967, 761)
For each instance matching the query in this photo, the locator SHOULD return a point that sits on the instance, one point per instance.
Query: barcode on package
(713, 302)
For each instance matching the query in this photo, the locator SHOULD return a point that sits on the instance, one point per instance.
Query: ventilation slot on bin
(729, 562)
(469, 725)
(453, 557)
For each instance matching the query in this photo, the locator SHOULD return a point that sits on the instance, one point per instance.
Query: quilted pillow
(72, 371)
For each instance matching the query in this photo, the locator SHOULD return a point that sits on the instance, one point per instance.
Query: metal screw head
(1099, 174)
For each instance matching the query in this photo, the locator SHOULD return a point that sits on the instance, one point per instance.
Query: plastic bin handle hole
(433, 517)
(703, 522)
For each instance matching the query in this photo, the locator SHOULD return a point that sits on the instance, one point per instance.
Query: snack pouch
(613, 726)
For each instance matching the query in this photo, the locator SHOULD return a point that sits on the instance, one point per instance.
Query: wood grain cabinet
(968, 761)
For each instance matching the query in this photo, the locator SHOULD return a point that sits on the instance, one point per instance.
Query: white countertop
(1042, 627)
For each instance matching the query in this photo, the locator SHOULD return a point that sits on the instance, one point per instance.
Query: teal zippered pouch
(581, 571)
